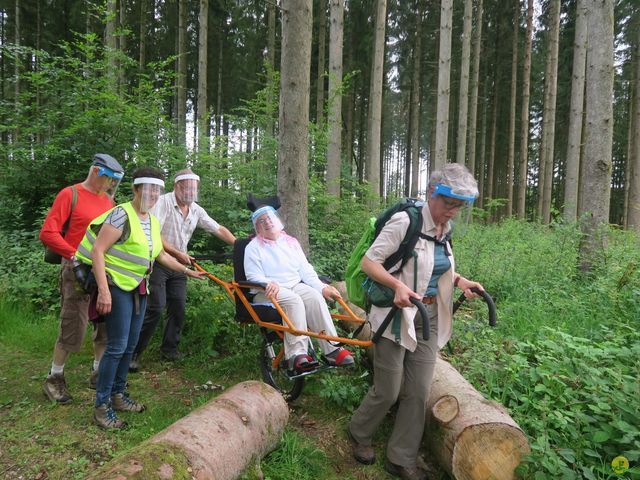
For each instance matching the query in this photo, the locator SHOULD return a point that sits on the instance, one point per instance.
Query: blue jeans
(123, 328)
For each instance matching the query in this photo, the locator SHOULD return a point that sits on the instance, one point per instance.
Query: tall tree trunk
(16, 71)
(322, 32)
(111, 41)
(181, 74)
(375, 101)
(414, 107)
(203, 108)
(633, 179)
(575, 117)
(142, 42)
(475, 77)
(122, 41)
(334, 149)
(271, 58)
(549, 117)
(492, 146)
(483, 143)
(444, 84)
(219, 82)
(512, 110)
(524, 115)
(463, 104)
(595, 174)
(293, 174)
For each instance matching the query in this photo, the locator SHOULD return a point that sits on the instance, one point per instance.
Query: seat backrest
(265, 313)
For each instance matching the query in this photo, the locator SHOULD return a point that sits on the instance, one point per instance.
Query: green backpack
(359, 287)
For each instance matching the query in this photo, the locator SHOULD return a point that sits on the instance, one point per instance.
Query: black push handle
(385, 323)
(488, 300)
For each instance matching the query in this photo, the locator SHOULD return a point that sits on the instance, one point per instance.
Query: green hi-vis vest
(127, 263)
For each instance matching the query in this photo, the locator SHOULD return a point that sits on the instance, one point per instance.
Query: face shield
(457, 207)
(149, 189)
(186, 188)
(267, 223)
(109, 168)
(114, 177)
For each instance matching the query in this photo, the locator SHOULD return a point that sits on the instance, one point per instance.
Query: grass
(564, 360)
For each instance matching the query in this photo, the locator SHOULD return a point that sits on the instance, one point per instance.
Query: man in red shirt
(93, 197)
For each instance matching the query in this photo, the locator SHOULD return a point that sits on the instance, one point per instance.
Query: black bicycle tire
(290, 389)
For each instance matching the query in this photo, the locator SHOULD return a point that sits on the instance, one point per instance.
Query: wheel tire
(278, 378)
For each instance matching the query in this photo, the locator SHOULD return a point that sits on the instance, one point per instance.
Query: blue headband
(261, 211)
(447, 192)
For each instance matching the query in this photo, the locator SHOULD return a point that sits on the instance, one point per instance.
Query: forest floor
(41, 440)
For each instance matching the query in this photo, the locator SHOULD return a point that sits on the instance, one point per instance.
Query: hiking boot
(172, 356)
(134, 364)
(93, 378)
(122, 403)
(105, 417)
(55, 388)
(362, 453)
(406, 473)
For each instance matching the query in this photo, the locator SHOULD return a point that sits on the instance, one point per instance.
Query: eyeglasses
(451, 204)
(263, 221)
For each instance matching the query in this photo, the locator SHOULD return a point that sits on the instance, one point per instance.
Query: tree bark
(463, 104)
(444, 84)
(293, 174)
(142, 38)
(595, 174)
(512, 110)
(334, 149)
(549, 117)
(633, 179)
(219, 440)
(203, 108)
(414, 107)
(374, 123)
(110, 40)
(181, 73)
(122, 41)
(322, 33)
(475, 77)
(524, 115)
(271, 58)
(574, 142)
(482, 441)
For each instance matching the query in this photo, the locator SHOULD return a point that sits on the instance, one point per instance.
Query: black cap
(108, 161)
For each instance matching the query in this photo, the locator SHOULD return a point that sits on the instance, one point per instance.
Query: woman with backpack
(402, 357)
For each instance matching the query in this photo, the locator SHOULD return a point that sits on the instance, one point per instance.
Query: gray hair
(457, 177)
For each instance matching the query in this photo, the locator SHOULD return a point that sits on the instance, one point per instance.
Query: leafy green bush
(24, 275)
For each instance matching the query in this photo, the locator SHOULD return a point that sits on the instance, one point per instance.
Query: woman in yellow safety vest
(122, 245)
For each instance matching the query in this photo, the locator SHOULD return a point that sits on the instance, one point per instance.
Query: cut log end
(445, 409)
(488, 451)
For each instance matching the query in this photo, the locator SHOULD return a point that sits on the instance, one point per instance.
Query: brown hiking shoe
(362, 453)
(406, 473)
(122, 403)
(55, 388)
(93, 378)
(105, 417)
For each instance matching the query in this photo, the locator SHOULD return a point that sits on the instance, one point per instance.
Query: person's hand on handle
(466, 285)
(272, 289)
(330, 293)
(403, 294)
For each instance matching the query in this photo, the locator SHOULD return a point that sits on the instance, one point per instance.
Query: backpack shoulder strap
(74, 201)
(410, 239)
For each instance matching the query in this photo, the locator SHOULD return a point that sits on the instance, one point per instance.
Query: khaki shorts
(74, 313)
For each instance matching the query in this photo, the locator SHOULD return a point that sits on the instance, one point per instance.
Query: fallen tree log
(482, 441)
(472, 438)
(218, 441)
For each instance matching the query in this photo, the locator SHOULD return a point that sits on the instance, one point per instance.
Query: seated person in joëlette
(276, 259)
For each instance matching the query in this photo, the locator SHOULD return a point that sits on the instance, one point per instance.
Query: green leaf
(600, 436)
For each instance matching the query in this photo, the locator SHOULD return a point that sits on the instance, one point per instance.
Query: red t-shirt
(88, 206)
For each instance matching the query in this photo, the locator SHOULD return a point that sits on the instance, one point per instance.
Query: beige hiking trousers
(393, 364)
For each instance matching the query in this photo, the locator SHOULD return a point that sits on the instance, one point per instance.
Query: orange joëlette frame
(234, 289)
